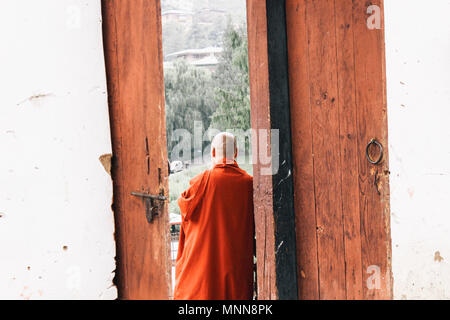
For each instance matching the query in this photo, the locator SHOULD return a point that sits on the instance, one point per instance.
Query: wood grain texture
(273, 193)
(338, 104)
(370, 81)
(302, 149)
(260, 117)
(325, 137)
(133, 55)
(348, 147)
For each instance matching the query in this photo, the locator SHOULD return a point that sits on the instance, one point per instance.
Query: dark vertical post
(282, 181)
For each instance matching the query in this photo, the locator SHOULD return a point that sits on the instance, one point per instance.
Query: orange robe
(215, 252)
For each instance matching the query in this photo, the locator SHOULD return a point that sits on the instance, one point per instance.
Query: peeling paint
(319, 230)
(105, 160)
(279, 246)
(437, 257)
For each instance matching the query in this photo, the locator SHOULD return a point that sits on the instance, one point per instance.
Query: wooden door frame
(270, 109)
(270, 95)
(275, 224)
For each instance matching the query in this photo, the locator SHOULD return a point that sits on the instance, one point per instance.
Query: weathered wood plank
(338, 105)
(269, 82)
(133, 54)
(260, 117)
(369, 55)
(307, 270)
(326, 151)
(282, 178)
(349, 147)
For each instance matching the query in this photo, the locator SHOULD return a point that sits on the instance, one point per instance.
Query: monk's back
(230, 199)
(215, 258)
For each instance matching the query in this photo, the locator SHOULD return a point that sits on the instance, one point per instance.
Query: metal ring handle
(369, 158)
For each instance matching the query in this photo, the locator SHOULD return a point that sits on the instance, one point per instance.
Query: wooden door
(133, 54)
(338, 105)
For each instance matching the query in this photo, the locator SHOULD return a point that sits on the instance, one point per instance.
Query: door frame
(270, 110)
(274, 195)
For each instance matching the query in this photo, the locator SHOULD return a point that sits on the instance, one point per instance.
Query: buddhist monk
(215, 252)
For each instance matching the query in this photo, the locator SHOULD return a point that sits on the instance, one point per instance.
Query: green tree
(232, 92)
(189, 98)
(220, 100)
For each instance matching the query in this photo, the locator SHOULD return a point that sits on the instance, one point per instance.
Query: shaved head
(224, 146)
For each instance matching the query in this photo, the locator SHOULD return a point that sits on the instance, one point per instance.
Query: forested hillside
(219, 99)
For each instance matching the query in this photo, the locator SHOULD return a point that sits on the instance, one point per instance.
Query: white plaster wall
(56, 224)
(418, 83)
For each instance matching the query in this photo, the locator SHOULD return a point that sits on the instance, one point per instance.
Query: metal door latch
(153, 204)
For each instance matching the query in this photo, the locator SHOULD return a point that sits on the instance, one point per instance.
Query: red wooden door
(133, 54)
(338, 105)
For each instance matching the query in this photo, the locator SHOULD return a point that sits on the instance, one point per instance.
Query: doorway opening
(285, 238)
(206, 76)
